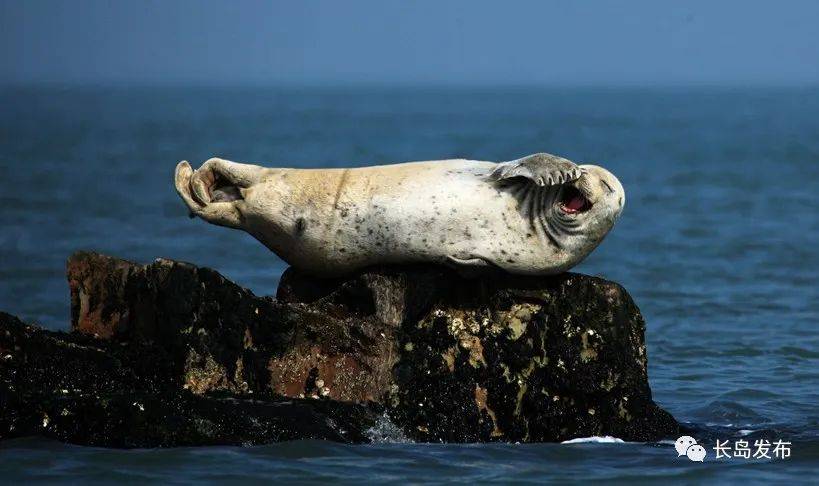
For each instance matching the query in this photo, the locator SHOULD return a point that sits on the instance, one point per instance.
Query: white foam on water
(606, 439)
(386, 432)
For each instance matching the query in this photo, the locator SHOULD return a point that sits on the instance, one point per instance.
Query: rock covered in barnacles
(502, 357)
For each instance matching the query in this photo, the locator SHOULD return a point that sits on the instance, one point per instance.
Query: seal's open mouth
(573, 201)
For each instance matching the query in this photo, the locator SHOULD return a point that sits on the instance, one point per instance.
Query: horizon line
(382, 85)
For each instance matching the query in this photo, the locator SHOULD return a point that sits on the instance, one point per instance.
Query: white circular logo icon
(696, 453)
(687, 446)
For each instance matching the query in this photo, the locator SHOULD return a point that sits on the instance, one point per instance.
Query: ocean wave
(384, 431)
(605, 439)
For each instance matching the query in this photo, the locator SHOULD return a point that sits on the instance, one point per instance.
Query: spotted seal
(537, 215)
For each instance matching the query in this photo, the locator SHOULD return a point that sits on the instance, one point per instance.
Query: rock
(503, 357)
(221, 337)
(84, 390)
(496, 358)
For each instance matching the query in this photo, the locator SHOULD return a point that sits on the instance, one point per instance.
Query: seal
(537, 215)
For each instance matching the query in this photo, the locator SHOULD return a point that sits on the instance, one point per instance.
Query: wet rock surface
(172, 354)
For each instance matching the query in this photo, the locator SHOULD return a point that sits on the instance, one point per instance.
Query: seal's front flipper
(542, 169)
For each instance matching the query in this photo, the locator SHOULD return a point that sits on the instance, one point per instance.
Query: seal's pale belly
(427, 211)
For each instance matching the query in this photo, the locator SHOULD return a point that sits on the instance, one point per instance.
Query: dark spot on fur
(301, 224)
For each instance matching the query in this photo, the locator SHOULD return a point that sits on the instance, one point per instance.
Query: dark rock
(502, 357)
(84, 390)
(218, 336)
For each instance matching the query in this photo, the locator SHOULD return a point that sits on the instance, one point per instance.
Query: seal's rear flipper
(225, 193)
(214, 191)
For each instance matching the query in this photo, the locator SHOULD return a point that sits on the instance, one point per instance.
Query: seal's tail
(214, 192)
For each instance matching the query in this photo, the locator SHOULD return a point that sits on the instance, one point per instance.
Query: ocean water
(718, 245)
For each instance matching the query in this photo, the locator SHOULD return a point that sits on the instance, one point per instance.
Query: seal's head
(585, 209)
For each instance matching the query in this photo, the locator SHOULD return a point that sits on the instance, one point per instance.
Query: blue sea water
(718, 245)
